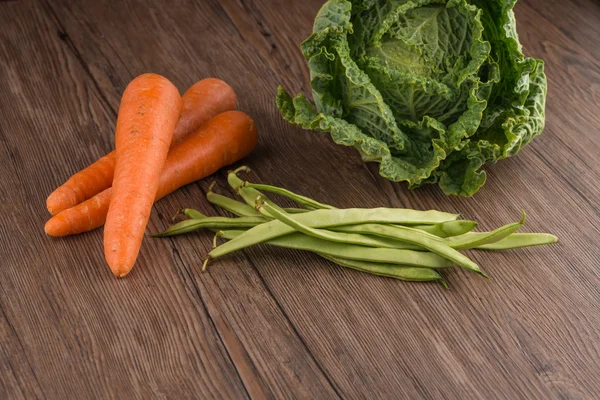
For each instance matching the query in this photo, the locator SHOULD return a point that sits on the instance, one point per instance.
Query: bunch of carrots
(163, 141)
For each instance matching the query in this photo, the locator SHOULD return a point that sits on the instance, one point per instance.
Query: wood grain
(274, 323)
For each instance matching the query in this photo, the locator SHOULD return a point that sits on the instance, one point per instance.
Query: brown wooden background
(268, 323)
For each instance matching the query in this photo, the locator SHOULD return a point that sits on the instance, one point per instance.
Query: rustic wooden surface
(279, 323)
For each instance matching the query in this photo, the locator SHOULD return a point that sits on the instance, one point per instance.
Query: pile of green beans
(405, 244)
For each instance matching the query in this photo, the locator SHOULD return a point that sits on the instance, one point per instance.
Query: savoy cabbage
(430, 89)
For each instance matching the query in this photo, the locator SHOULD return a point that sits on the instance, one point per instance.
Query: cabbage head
(430, 89)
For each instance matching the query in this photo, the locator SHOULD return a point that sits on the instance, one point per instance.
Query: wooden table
(268, 323)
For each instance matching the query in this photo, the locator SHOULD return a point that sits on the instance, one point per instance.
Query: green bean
(293, 210)
(450, 228)
(390, 270)
(238, 208)
(475, 239)
(251, 193)
(513, 241)
(190, 225)
(518, 240)
(413, 274)
(300, 241)
(350, 238)
(230, 233)
(193, 214)
(231, 205)
(330, 218)
(248, 194)
(350, 230)
(303, 200)
(401, 233)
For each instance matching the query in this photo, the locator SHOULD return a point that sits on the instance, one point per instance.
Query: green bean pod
(294, 210)
(193, 214)
(300, 241)
(518, 240)
(249, 195)
(513, 241)
(230, 234)
(399, 233)
(412, 274)
(448, 229)
(329, 218)
(231, 205)
(302, 200)
(241, 209)
(404, 273)
(190, 225)
(340, 237)
(475, 239)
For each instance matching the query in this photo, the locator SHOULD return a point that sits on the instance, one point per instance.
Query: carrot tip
(53, 209)
(120, 273)
(49, 230)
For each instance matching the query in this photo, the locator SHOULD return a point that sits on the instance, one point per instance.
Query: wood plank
(256, 331)
(67, 326)
(17, 378)
(572, 106)
(577, 20)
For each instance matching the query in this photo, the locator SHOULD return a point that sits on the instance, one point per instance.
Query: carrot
(202, 101)
(84, 217)
(224, 140)
(148, 114)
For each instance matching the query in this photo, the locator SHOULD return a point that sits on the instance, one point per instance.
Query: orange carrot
(202, 101)
(84, 217)
(148, 114)
(224, 140)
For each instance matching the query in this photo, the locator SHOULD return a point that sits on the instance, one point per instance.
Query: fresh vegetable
(202, 101)
(411, 274)
(148, 113)
(518, 240)
(223, 140)
(328, 219)
(431, 89)
(231, 205)
(398, 243)
(85, 216)
(472, 239)
(399, 233)
(355, 252)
